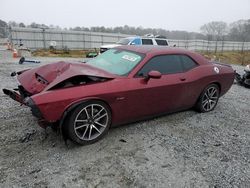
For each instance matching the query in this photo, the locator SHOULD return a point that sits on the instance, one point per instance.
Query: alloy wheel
(91, 122)
(210, 98)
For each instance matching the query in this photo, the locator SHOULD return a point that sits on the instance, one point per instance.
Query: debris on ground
(28, 136)
(122, 140)
(23, 60)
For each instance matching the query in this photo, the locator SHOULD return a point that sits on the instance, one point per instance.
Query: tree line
(216, 30)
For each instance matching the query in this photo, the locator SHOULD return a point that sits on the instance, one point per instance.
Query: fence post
(10, 35)
(242, 53)
(186, 44)
(222, 46)
(90, 40)
(216, 44)
(83, 37)
(44, 44)
(207, 45)
(62, 40)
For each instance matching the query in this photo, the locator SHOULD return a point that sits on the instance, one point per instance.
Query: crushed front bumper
(27, 101)
(14, 95)
(24, 99)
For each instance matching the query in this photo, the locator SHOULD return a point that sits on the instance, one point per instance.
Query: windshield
(115, 61)
(123, 41)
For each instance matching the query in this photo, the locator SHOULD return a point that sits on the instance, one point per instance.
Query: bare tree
(13, 24)
(21, 25)
(240, 31)
(3, 27)
(215, 31)
(77, 28)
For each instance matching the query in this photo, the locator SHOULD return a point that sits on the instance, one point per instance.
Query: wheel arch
(73, 105)
(213, 82)
(216, 83)
(198, 103)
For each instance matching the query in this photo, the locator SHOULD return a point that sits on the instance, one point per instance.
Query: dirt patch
(231, 57)
(63, 53)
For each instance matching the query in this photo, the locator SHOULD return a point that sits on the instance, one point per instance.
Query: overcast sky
(171, 15)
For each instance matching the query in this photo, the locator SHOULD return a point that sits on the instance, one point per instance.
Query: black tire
(88, 122)
(207, 102)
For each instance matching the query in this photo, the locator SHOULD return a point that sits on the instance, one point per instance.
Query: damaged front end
(22, 93)
(22, 96)
(14, 95)
(47, 89)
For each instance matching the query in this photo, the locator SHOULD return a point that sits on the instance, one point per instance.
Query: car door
(154, 96)
(192, 82)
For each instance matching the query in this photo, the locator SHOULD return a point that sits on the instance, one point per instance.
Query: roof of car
(146, 37)
(144, 49)
(158, 50)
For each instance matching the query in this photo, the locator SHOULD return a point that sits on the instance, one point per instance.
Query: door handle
(182, 79)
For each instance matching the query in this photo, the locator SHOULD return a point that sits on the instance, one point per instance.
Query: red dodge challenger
(122, 85)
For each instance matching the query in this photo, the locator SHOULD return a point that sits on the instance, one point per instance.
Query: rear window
(161, 42)
(187, 62)
(147, 41)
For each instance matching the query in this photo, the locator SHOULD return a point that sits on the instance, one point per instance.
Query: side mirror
(154, 74)
(132, 43)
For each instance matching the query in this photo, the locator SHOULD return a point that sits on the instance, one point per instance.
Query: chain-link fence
(211, 46)
(43, 38)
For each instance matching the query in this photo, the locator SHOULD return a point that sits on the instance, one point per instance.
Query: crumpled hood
(44, 77)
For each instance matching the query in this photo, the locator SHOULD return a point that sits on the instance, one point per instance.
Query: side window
(187, 62)
(147, 41)
(136, 42)
(165, 64)
(161, 42)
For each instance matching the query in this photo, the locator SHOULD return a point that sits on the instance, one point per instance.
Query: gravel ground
(186, 149)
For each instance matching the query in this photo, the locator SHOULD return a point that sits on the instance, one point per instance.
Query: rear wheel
(88, 122)
(208, 98)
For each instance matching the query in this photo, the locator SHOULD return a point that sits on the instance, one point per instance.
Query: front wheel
(208, 98)
(88, 122)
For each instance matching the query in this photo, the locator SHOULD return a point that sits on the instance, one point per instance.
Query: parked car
(146, 40)
(124, 84)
